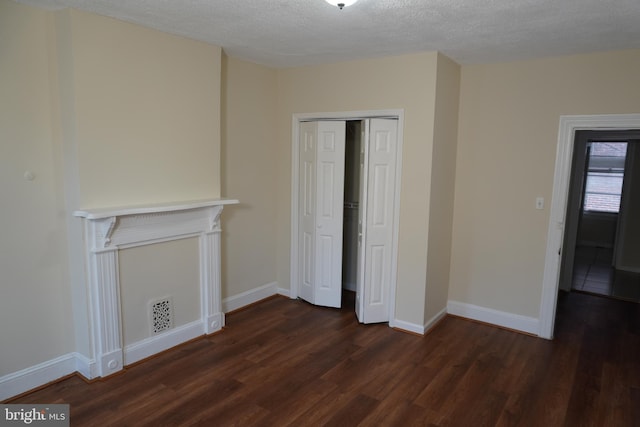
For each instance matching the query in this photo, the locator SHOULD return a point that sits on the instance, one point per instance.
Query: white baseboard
(415, 328)
(153, 345)
(494, 317)
(35, 376)
(407, 326)
(85, 366)
(249, 297)
(435, 319)
(284, 292)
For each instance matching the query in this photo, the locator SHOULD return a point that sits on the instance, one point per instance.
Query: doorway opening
(561, 206)
(346, 170)
(598, 256)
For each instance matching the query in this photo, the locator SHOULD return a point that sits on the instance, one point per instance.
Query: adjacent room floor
(594, 274)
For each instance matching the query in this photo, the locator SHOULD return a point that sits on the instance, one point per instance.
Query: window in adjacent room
(603, 188)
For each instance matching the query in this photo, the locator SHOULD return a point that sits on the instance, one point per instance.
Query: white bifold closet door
(321, 203)
(377, 193)
(321, 191)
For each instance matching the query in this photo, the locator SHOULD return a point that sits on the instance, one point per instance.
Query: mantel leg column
(107, 336)
(210, 289)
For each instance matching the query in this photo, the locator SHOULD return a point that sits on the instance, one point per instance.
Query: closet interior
(351, 212)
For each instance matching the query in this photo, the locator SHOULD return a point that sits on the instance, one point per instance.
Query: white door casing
(322, 179)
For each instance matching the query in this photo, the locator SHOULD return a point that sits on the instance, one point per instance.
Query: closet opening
(351, 212)
(345, 203)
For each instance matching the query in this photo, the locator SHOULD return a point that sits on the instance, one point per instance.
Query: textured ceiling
(286, 33)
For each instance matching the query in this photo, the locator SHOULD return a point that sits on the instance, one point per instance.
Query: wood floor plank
(353, 412)
(285, 362)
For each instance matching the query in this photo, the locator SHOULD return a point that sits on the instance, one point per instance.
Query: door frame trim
(297, 118)
(555, 234)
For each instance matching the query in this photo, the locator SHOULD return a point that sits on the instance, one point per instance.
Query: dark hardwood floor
(284, 362)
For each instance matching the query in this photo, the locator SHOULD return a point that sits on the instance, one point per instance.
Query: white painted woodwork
(108, 230)
(322, 177)
(307, 216)
(379, 220)
(330, 217)
(362, 214)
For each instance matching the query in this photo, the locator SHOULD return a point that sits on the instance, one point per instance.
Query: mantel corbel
(214, 219)
(104, 230)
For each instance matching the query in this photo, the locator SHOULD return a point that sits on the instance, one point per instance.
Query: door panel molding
(307, 213)
(379, 220)
(321, 227)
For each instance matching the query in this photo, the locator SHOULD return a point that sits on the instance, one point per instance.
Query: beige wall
(115, 114)
(35, 301)
(249, 159)
(151, 272)
(507, 138)
(139, 122)
(406, 82)
(147, 107)
(442, 186)
(103, 113)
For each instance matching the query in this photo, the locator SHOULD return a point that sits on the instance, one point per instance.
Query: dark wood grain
(285, 362)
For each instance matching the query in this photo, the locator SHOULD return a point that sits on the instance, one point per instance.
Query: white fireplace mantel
(108, 230)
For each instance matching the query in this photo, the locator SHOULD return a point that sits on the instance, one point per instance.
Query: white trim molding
(416, 328)
(156, 344)
(85, 366)
(108, 230)
(435, 319)
(407, 326)
(249, 297)
(555, 234)
(27, 379)
(284, 292)
(513, 321)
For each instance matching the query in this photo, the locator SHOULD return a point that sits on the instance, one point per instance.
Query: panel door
(378, 220)
(321, 211)
(307, 209)
(362, 215)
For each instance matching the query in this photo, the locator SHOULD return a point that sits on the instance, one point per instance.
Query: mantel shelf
(101, 213)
